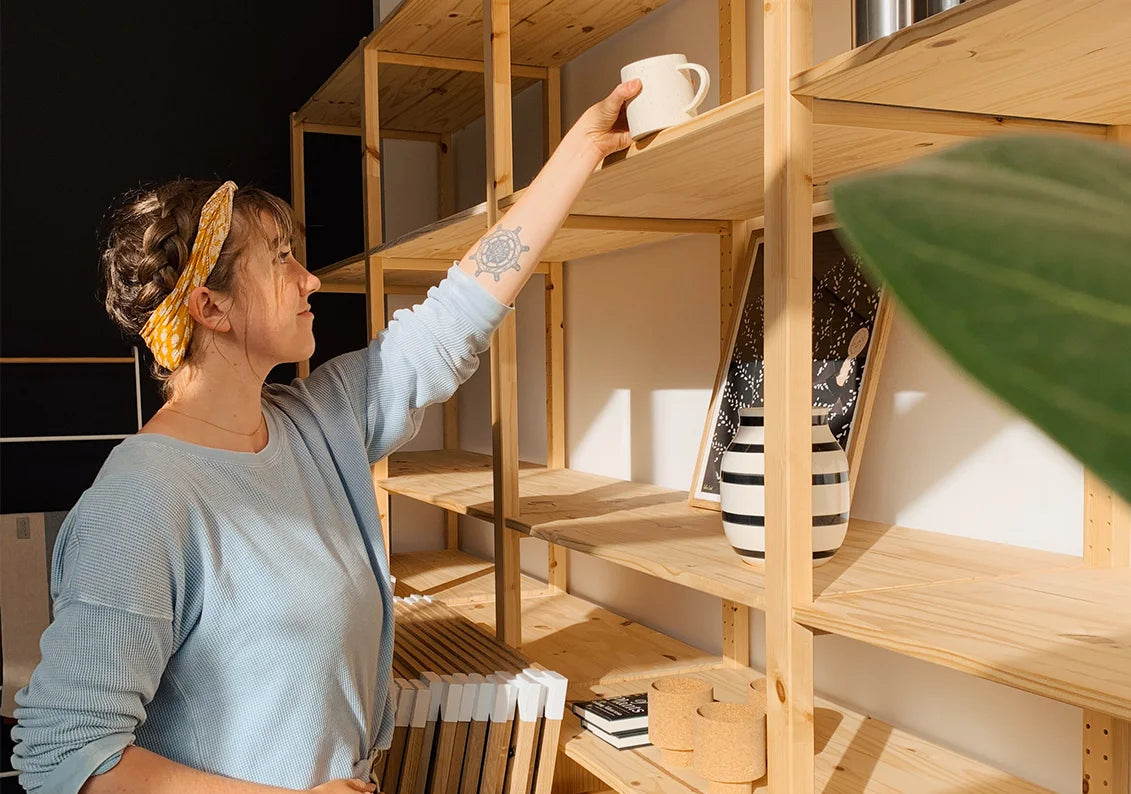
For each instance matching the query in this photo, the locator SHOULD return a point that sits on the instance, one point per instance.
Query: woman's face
(272, 309)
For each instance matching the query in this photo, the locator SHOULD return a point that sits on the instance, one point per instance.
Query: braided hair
(150, 239)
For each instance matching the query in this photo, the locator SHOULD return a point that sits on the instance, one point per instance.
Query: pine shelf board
(449, 239)
(855, 754)
(1045, 59)
(708, 169)
(452, 576)
(603, 654)
(543, 33)
(455, 480)
(590, 645)
(1065, 634)
(653, 530)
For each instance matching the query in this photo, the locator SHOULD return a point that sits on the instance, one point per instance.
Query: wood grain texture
(1106, 750)
(473, 764)
(1059, 634)
(413, 98)
(504, 344)
(788, 390)
(495, 757)
(653, 530)
(452, 576)
(736, 634)
(732, 49)
(588, 644)
(557, 562)
(546, 32)
(373, 235)
(1044, 59)
(520, 762)
(678, 175)
(854, 754)
(547, 753)
(414, 749)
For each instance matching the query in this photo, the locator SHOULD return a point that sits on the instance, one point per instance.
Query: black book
(622, 741)
(615, 715)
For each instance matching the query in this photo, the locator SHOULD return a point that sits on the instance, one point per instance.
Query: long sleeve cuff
(68, 777)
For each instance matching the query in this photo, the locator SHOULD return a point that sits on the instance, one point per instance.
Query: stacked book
(620, 721)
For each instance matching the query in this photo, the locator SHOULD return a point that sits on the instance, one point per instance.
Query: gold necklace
(218, 427)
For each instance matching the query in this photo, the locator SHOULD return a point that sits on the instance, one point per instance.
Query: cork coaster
(756, 694)
(730, 746)
(671, 710)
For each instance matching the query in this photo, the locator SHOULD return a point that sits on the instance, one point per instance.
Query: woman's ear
(210, 309)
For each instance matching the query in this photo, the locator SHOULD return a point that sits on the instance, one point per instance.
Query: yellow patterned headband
(169, 329)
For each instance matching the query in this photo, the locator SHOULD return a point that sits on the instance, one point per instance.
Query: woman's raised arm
(503, 259)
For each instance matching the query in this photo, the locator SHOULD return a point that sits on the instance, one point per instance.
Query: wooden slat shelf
(708, 169)
(543, 33)
(855, 754)
(456, 480)
(590, 645)
(603, 654)
(452, 576)
(653, 530)
(1064, 634)
(1045, 59)
(415, 273)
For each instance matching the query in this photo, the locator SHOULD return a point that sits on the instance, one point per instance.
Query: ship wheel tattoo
(499, 252)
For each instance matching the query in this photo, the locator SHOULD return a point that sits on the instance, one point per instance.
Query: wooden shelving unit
(1046, 623)
(604, 655)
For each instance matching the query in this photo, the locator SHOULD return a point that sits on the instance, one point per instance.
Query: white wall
(641, 353)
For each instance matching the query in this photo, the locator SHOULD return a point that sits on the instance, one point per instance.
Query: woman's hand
(346, 786)
(604, 126)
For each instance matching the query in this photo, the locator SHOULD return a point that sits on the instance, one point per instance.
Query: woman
(223, 614)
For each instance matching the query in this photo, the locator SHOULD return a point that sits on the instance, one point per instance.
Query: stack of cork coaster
(725, 742)
(473, 715)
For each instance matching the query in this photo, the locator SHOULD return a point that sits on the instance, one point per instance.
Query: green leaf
(1014, 254)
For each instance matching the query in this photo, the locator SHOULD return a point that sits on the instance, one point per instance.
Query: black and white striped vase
(743, 492)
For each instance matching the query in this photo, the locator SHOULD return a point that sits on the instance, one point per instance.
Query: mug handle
(704, 85)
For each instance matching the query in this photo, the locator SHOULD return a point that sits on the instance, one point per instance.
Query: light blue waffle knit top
(233, 611)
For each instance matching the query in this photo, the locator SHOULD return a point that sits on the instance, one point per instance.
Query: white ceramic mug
(667, 95)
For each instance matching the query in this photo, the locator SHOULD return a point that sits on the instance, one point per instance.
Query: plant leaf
(1014, 254)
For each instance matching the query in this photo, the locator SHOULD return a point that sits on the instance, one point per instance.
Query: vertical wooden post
(446, 205)
(557, 560)
(732, 50)
(298, 204)
(446, 168)
(504, 346)
(1107, 543)
(732, 248)
(788, 160)
(374, 269)
(451, 443)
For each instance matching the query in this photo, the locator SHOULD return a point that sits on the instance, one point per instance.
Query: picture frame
(846, 365)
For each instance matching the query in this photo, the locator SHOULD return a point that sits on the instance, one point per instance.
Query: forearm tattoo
(499, 252)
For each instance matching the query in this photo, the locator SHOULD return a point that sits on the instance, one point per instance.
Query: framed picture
(850, 327)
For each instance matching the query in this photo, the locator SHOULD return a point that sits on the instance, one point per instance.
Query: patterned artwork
(844, 316)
